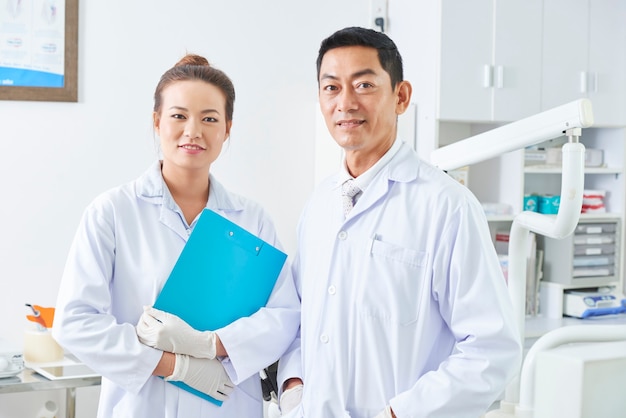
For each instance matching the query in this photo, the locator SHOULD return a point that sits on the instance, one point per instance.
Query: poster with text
(32, 43)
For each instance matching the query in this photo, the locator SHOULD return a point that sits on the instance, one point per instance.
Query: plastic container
(549, 204)
(40, 347)
(531, 203)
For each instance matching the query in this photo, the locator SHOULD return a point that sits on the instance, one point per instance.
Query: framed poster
(39, 50)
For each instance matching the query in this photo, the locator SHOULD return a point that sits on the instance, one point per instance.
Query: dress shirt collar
(365, 179)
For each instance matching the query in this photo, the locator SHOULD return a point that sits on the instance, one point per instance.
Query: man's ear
(403, 94)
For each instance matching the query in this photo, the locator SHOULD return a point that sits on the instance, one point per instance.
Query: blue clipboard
(223, 273)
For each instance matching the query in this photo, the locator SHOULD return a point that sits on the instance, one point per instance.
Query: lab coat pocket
(393, 278)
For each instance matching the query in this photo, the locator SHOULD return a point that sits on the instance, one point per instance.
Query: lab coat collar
(364, 180)
(402, 168)
(151, 188)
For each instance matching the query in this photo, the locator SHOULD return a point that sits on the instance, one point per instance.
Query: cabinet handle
(583, 81)
(487, 76)
(595, 82)
(499, 76)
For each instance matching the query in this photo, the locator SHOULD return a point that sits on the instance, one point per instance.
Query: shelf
(583, 217)
(500, 218)
(551, 169)
(581, 284)
(537, 326)
(594, 216)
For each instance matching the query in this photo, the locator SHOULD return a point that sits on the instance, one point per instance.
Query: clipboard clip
(249, 243)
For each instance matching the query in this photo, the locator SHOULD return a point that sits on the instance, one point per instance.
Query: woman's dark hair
(388, 53)
(196, 67)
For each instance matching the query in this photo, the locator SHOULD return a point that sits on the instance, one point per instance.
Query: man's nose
(346, 100)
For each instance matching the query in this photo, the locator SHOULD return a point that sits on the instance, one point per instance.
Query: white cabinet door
(465, 54)
(565, 47)
(490, 60)
(517, 60)
(584, 56)
(607, 55)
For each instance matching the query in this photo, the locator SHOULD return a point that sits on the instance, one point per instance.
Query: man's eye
(329, 88)
(364, 85)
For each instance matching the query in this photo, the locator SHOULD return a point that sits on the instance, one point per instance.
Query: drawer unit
(589, 257)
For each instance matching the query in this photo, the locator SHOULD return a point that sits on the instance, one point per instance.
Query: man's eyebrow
(328, 77)
(367, 71)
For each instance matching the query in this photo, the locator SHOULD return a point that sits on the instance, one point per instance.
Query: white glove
(386, 413)
(167, 332)
(206, 375)
(290, 398)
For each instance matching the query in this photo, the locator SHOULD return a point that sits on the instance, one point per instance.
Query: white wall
(56, 157)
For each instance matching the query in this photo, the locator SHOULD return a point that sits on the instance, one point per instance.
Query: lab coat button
(324, 338)
(332, 290)
(343, 235)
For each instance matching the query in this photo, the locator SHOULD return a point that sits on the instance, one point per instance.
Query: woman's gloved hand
(168, 332)
(206, 375)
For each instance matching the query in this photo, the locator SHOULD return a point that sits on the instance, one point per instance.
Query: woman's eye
(210, 119)
(178, 116)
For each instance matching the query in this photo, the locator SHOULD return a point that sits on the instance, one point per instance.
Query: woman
(128, 242)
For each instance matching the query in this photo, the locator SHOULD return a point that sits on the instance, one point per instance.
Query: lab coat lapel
(171, 219)
(150, 187)
(401, 169)
(377, 190)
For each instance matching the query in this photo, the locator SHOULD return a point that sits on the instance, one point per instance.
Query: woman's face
(192, 125)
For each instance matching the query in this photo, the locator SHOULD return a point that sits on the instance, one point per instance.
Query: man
(405, 311)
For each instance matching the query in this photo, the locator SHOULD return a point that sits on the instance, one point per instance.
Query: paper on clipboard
(223, 273)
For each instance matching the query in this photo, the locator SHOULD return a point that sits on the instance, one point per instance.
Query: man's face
(357, 101)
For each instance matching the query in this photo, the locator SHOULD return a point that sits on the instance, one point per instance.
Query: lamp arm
(568, 118)
(572, 186)
(516, 135)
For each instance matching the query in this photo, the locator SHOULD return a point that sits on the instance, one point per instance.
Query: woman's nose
(193, 129)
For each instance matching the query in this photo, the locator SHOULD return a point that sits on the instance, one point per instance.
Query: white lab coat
(126, 245)
(403, 303)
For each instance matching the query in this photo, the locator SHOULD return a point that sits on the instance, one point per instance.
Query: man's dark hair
(388, 53)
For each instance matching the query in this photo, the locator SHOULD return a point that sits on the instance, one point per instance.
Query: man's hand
(167, 332)
(206, 375)
(386, 413)
(292, 395)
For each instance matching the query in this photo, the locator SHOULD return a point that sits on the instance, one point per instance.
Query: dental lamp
(569, 120)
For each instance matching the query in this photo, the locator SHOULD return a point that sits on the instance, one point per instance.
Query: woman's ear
(156, 120)
(229, 125)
